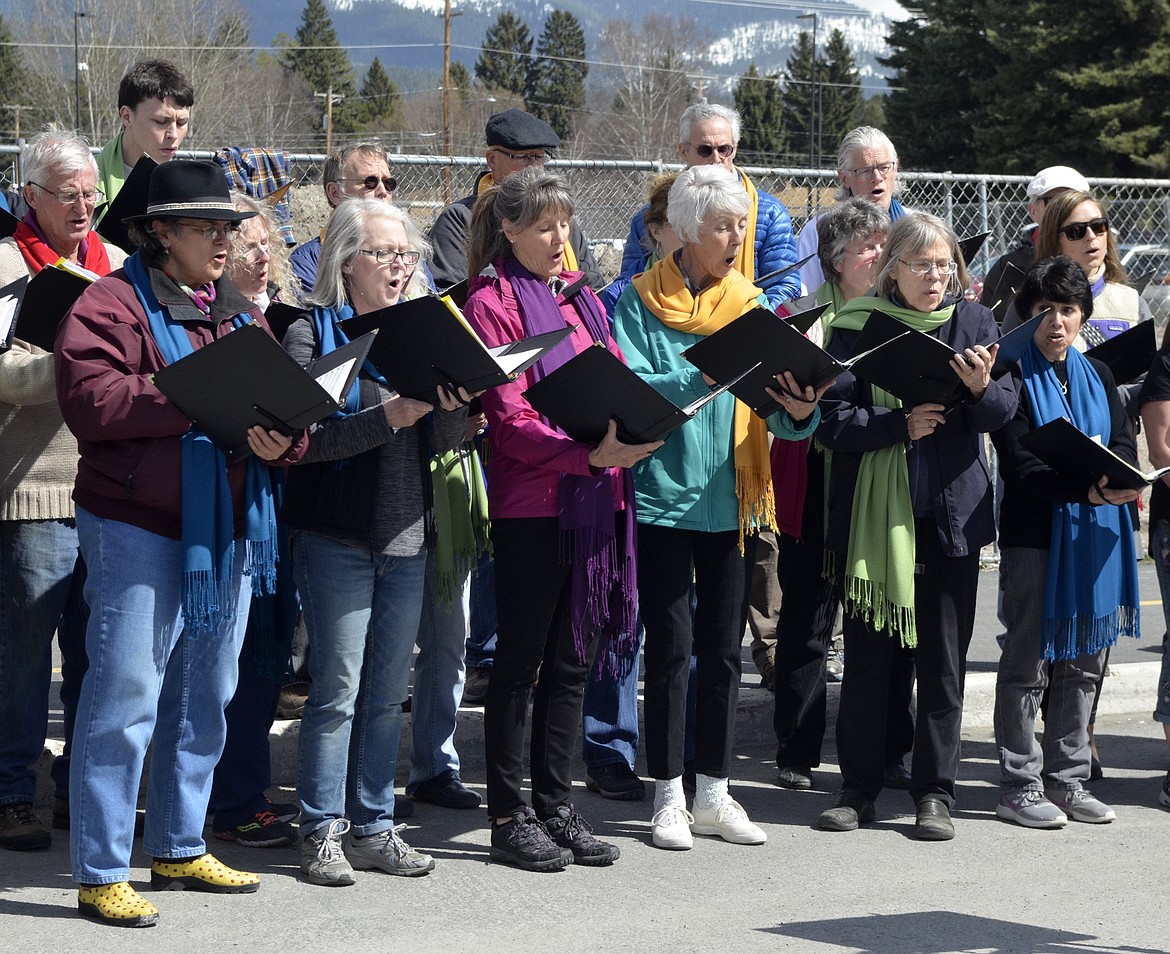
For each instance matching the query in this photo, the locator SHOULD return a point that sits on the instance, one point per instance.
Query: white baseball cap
(1057, 177)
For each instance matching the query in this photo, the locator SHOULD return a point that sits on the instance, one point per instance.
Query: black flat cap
(516, 129)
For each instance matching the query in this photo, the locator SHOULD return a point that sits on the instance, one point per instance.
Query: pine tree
(14, 81)
(379, 98)
(933, 112)
(798, 99)
(504, 61)
(758, 99)
(840, 93)
(461, 79)
(317, 57)
(555, 85)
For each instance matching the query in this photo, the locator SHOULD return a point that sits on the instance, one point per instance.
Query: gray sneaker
(386, 851)
(1031, 809)
(322, 860)
(1080, 806)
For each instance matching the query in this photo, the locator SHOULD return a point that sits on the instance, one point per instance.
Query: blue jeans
(150, 682)
(1062, 762)
(609, 715)
(41, 577)
(362, 611)
(1160, 551)
(481, 638)
(438, 680)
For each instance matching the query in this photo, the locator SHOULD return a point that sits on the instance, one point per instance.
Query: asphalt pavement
(995, 888)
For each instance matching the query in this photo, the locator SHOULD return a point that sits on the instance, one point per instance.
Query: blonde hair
(280, 271)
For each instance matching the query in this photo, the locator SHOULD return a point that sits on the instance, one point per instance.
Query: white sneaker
(671, 828)
(730, 822)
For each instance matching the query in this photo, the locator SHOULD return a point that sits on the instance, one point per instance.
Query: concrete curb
(1130, 689)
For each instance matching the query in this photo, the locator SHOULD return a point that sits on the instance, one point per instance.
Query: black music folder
(1075, 454)
(246, 379)
(426, 343)
(768, 344)
(280, 316)
(1129, 354)
(912, 366)
(131, 200)
(9, 222)
(584, 393)
(970, 246)
(1013, 345)
(31, 309)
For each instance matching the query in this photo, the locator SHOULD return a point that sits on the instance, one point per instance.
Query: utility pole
(330, 98)
(77, 15)
(447, 15)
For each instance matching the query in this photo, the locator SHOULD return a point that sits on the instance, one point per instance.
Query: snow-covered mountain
(407, 35)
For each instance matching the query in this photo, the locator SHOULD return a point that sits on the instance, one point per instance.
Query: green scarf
(879, 565)
(461, 517)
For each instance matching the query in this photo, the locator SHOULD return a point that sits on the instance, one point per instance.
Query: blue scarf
(1091, 590)
(897, 209)
(208, 531)
(330, 337)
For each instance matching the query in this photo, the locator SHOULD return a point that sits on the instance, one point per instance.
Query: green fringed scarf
(879, 565)
(461, 517)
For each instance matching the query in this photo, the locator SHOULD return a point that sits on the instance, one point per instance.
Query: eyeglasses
(384, 256)
(213, 233)
(255, 251)
(70, 196)
(706, 150)
(539, 157)
(370, 183)
(866, 172)
(1077, 230)
(920, 266)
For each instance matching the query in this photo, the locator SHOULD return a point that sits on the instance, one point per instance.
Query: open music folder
(245, 379)
(1075, 454)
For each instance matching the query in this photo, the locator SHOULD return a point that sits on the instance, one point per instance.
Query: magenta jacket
(527, 456)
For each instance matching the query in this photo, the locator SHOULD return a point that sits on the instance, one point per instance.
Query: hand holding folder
(1076, 455)
(245, 379)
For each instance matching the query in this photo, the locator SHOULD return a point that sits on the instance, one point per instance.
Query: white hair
(55, 151)
(857, 139)
(701, 112)
(700, 192)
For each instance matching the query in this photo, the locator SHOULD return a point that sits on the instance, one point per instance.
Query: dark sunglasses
(370, 183)
(1076, 231)
(706, 149)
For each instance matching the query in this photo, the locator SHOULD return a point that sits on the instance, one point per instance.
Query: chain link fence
(609, 192)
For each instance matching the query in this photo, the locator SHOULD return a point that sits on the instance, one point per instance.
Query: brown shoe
(291, 704)
(476, 687)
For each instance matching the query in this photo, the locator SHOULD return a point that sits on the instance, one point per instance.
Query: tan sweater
(38, 454)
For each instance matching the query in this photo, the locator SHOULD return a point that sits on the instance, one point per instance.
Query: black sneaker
(570, 830)
(285, 811)
(21, 830)
(525, 843)
(262, 830)
(615, 780)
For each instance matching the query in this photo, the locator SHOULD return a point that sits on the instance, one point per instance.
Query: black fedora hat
(192, 189)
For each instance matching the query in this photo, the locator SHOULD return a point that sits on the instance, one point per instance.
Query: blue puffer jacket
(775, 248)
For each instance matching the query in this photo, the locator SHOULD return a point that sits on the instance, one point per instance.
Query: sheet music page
(334, 380)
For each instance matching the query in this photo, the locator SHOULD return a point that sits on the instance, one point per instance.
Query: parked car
(1152, 262)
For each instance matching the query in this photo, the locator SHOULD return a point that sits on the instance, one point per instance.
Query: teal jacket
(689, 482)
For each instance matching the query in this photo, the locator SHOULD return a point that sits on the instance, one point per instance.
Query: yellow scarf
(745, 261)
(568, 256)
(664, 292)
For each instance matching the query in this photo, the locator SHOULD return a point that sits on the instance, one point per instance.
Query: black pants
(534, 633)
(665, 560)
(944, 603)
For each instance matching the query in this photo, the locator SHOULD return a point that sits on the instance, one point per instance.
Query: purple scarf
(604, 578)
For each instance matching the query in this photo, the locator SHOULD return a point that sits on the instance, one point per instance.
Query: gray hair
(347, 232)
(54, 151)
(280, 271)
(844, 223)
(521, 199)
(862, 137)
(700, 113)
(908, 238)
(702, 191)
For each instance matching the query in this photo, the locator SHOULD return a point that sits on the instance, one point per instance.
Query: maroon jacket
(127, 430)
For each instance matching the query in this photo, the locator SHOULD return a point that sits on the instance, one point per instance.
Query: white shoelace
(329, 849)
